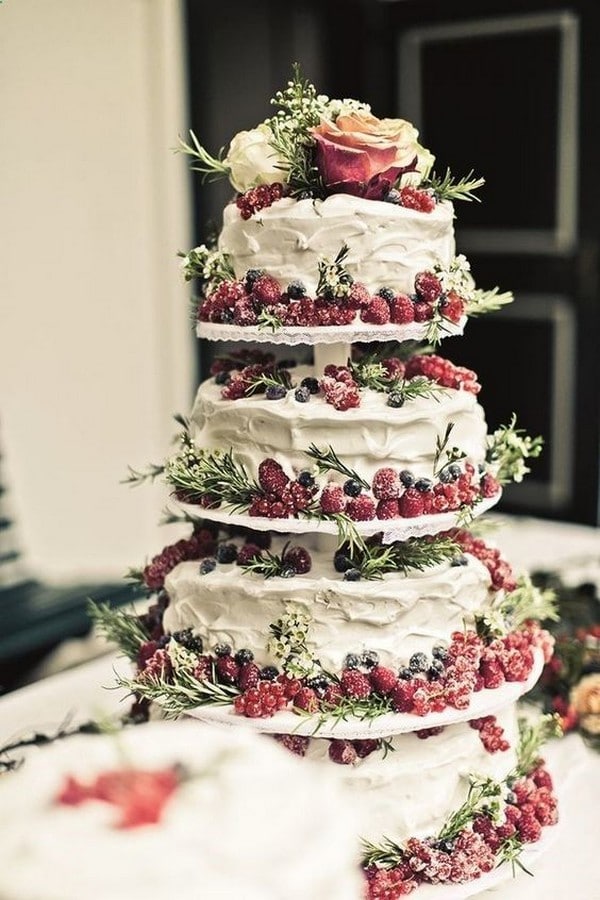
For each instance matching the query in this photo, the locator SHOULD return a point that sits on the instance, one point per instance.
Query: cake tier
(365, 438)
(207, 830)
(388, 244)
(395, 616)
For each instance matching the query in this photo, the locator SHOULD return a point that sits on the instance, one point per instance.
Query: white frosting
(396, 615)
(366, 438)
(255, 823)
(413, 788)
(388, 244)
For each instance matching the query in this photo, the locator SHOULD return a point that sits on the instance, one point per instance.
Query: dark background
(513, 94)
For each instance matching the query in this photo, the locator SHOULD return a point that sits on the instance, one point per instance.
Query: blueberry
(296, 289)
(352, 487)
(226, 316)
(207, 565)
(446, 846)
(311, 383)
(392, 196)
(386, 293)
(370, 658)
(226, 553)
(341, 562)
(275, 392)
(418, 662)
(223, 650)
(440, 652)
(435, 670)
(352, 575)
(319, 683)
(269, 673)
(244, 656)
(460, 560)
(445, 475)
(189, 640)
(423, 485)
(222, 378)
(455, 470)
(395, 400)
(352, 661)
(405, 674)
(305, 479)
(251, 276)
(511, 798)
(302, 394)
(407, 478)
(287, 572)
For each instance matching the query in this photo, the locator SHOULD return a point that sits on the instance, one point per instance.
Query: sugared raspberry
(365, 747)
(402, 695)
(295, 743)
(383, 680)
(387, 509)
(158, 666)
(248, 676)
(402, 310)
(411, 503)
(307, 699)
(377, 312)
(423, 311)
(358, 296)
(452, 307)
(361, 509)
(339, 393)
(247, 554)
(355, 684)
(227, 669)
(298, 558)
(529, 829)
(332, 695)
(342, 752)
(489, 486)
(413, 198)
(428, 287)
(266, 290)
(262, 701)
(271, 476)
(333, 499)
(386, 484)
(491, 671)
(244, 313)
(291, 686)
(542, 778)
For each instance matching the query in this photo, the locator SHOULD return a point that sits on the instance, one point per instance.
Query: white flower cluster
(210, 266)
(289, 644)
(457, 277)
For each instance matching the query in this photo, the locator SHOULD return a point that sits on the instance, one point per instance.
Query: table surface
(567, 870)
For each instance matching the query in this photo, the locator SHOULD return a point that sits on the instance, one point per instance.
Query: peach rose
(362, 155)
(585, 696)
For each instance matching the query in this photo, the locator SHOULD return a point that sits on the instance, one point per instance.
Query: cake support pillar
(336, 354)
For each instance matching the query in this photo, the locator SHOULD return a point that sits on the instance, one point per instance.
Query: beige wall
(95, 343)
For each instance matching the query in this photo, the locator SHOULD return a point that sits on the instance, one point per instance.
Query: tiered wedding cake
(331, 593)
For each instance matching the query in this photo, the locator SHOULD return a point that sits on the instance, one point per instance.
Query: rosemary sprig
(272, 378)
(268, 321)
(176, 698)
(119, 627)
(448, 188)
(375, 377)
(484, 795)
(414, 554)
(328, 461)
(532, 735)
(437, 328)
(211, 168)
(150, 473)
(386, 855)
(365, 710)
(270, 565)
(482, 302)
(508, 448)
(198, 473)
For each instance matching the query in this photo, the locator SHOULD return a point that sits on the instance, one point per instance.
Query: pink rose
(362, 155)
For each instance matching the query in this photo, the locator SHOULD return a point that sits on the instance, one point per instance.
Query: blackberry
(222, 378)
(269, 673)
(440, 652)
(244, 656)
(296, 289)
(311, 383)
(450, 473)
(460, 560)
(226, 316)
(319, 682)
(435, 670)
(251, 276)
(405, 674)
(370, 659)
(423, 485)
(352, 661)
(305, 479)
(207, 565)
(352, 575)
(407, 478)
(222, 650)
(165, 638)
(341, 562)
(392, 196)
(395, 400)
(418, 662)
(302, 394)
(386, 293)
(352, 487)
(275, 392)
(189, 640)
(226, 553)
(446, 845)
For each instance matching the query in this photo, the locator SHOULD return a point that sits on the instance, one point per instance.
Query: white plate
(483, 703)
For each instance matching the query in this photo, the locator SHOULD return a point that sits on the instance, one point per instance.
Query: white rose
(252, 160)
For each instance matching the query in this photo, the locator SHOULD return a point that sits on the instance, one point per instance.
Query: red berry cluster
(248, 380)
(339, 388)
(258, 198)
(139, 795)
(443, 372)
(415, 198)
(262, 701)
(490, 733)
(201, 544)
(500, 570)
(281, 497)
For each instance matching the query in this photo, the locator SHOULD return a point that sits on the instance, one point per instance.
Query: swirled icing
(388, 244)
